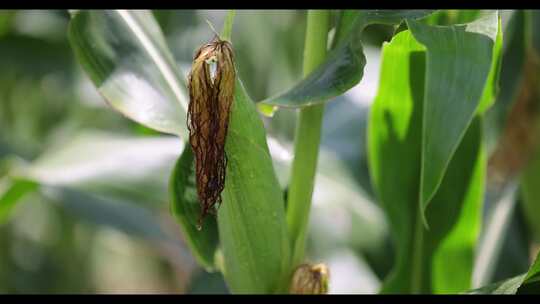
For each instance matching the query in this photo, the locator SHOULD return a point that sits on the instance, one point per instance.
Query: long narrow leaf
(459, 59)
(394, 145)
(252, 227)
(528, 283)
(132, 168)
(344, 65)
(126, 56)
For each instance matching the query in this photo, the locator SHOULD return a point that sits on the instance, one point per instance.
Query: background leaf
(511, 76)
(126, 56)
(344, 65)
(491, 89)
(340, 208)
(531, 194)
(103, 163)
(11, 191)
(185, 207)
(501, 238)
(510, 131)
(509, 286)
(531, 173)
(528, 283)
(534, 24)
(46, 99)
(95, 180)
(393, 126)
(456, 209)
(531, 283)
(97, 169)
(120, 214)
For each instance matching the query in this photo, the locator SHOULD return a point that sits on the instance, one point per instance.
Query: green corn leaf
(509, 286)
(125, 55)
(344, 65)
(185, 207)
(528, 283)
(457, 210)
(117, 48)
(226, 33)
(491, 89)
(458, 62)
(251, 219)
(11, 191)
(394, 157)
(116, 213)
(93, 177)
(531, 282)
(448, 17)
(100, 162)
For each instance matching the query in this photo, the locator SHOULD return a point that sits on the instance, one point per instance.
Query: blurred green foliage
(114, 233)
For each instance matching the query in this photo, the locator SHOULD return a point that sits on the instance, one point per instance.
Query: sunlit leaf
(126, 56)
(100, 177)
(228, 25)
(105, 163)
(457, 210)
(491, 89)
(394, 128)
(458, 62)
(394, 154)
(448, 17)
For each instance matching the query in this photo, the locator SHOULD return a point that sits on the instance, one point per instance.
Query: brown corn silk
(211, 93)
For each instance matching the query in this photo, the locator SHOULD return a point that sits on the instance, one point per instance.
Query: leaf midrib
(155, 55)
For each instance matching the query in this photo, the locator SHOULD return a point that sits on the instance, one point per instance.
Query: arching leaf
(125, 55)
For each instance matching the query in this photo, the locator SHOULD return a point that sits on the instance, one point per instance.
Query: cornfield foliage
(397, 149)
